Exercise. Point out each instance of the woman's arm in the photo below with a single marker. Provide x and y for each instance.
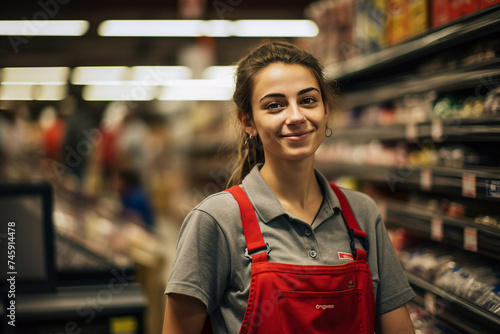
(396, 321)
(183, 315)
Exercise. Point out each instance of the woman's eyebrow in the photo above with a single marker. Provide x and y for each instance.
(272, 95)
(308, 90)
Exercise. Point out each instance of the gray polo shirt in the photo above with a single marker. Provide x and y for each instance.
(211, 264)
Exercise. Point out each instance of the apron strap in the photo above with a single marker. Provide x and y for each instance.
(351, 222)
(251, 229)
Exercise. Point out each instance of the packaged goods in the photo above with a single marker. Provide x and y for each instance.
(460, 8)
(487, 3)
(492, 102)
(474, 279)
(418, 12)
(398, 28)
(441, 12)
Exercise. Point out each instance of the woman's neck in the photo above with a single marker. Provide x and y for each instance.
(293, 182)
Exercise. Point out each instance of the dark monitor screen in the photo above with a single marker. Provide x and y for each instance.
(26, 224)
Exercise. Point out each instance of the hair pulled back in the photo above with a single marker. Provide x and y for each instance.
(250, 152)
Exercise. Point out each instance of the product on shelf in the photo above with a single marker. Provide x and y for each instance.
(418, 12)
(493, 221)
(469, 277)
(487, 3)
(425, 323)
(447, 107)
(398, 28)
(492, 102)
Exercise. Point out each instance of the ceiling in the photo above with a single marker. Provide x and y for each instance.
(93, 50)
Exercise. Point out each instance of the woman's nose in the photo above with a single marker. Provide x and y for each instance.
(294, 115)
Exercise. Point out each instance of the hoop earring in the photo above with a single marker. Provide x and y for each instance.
(328, 132)
(246, 140)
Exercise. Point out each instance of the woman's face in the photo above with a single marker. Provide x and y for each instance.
(289, 114)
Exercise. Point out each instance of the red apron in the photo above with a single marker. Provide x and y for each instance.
(287, 298)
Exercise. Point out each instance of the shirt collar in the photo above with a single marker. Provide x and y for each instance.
(266, 204)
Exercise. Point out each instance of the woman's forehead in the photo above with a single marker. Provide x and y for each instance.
(284, 77)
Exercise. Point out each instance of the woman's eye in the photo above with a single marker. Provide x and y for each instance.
(309, 100)
(273, 105)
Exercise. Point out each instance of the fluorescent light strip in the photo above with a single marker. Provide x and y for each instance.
(43, 27)
(34, 75)
(175, 90)
(212, 28)
(197, 90)
(119, 93)
(275, 28)
(90, 75)
(138, 75)
(219, 73)
(20, 92)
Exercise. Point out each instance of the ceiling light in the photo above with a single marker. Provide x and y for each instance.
(50, 92)
(123, 92)
(139, 75)
(212, 28)
(34, 75)
(90, 75)
(150, 28)
(197, 90)
(219, 73)
(275, 28)
(15, 92)
(43, 28)
(33, 92)
(159, 75)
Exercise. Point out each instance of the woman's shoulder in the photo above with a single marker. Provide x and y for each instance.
(360, 201)
(220, 206)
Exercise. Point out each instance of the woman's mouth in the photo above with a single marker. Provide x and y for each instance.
(295, 136)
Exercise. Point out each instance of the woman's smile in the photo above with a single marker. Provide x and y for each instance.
(297, 136)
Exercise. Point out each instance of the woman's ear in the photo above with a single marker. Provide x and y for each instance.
(247, 123)
(327, 111)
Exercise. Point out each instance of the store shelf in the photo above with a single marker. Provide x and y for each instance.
(454, 310)
(482, 23)
(479, 183)
(439, 130)
(454, 79)
(447, 230)
(459, 60)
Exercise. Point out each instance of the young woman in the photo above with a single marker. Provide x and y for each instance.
(284, 251)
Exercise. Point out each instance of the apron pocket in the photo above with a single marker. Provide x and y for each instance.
(320, 312)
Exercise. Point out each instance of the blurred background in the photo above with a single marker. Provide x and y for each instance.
(116, 120)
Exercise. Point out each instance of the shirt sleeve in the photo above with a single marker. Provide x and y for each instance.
(201, 267)
(393, 288)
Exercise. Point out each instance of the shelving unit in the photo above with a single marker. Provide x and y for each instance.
(391, 75)
(443, 180)
(481, 23)
(464, 315)
(445, 229)
(452, 130)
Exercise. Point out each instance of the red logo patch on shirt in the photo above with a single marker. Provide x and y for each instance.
(345, 256)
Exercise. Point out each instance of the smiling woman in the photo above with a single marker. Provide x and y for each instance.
(282, 250)
(288, 114)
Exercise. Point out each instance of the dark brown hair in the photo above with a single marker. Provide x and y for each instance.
(252, 152)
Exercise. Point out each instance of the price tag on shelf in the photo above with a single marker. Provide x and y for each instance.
(470, 239)
(430, 303)
(469, 185)
(437, 130)
(426, 179)
(437, 229)
(411, 132)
